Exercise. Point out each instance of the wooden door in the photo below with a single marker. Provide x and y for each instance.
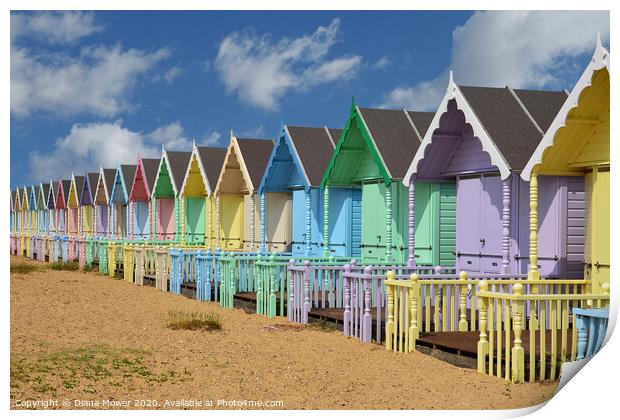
(298, 222)
(597, 258)
(231, 221)
(468, 221)
(423, 223)
(491, 225)
(373, 223)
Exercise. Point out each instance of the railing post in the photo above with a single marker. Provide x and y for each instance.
(533, 273)
(411, 259)
(483, 344)
(272, 305)
(518, 354)
(291, 291)
(414, 329)
(347, 301)
(463, 326)
(389, 326)
(367, 319)
(307, 304)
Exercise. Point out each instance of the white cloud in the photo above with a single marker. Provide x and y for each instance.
(211, 139)
(510, 48)
(382, 63)
(53, 27)
(168, 76)
(254, 132)
(98, 82)
(103, 143)
(261, 70)
(87, 146)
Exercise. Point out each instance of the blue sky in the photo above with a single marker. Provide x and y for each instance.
(90, 88)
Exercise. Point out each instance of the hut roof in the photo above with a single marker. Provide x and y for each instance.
(212, 159)
(177, 164)
(314, 147)
(395, 137)
(255, 154)
(512, 126)
(150, 167)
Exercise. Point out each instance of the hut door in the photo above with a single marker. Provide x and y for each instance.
(165, 218)
(373, 223)
(423, 223)
(299, 223)
(468, 229)
(231, 219)
(194, 220)
(597, 259)
(141, 217)
(354, 237)
(491, 232)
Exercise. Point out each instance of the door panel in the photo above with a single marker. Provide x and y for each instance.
(598, 236)
(140, 219)
(491, 244)
(423, 223)
(339, 208)
(299, 223)
(194, 219)
(468, 204)
(231, 220)
(278, 222)
(355, 232)
(165, 218)
(373, 233)
(549, 198)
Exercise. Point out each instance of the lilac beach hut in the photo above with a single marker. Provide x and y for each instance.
(482, 138)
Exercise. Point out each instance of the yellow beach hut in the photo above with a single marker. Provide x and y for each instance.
(237, 203)
(577, 143)
(198, 203)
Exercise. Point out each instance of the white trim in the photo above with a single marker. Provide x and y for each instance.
(415, 129)
(600, 60)
(329, 135)
(453, 92)
(525, 111)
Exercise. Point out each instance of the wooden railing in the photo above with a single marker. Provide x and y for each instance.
(544, 319)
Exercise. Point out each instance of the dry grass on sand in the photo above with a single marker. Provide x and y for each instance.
(83, 336)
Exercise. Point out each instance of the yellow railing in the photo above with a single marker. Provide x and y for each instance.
(449, 303)
(401, 328)
(544, 319)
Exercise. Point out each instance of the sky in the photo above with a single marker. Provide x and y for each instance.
(102, 88)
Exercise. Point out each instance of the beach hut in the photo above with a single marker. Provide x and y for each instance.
(481, 138)
(73, 205)
(62, 213)
(237, 217)
(41, 204)
(166, 195)
(577, 146)
(25, 209)
(102, 222)
(119, 200)
(51, 207)
(292, 218)
(365, 204)
(13, 211)
(32, 209)
(197, 196)
(140, 198)
(87, 207)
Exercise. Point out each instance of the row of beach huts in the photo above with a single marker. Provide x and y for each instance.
(479, 232)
